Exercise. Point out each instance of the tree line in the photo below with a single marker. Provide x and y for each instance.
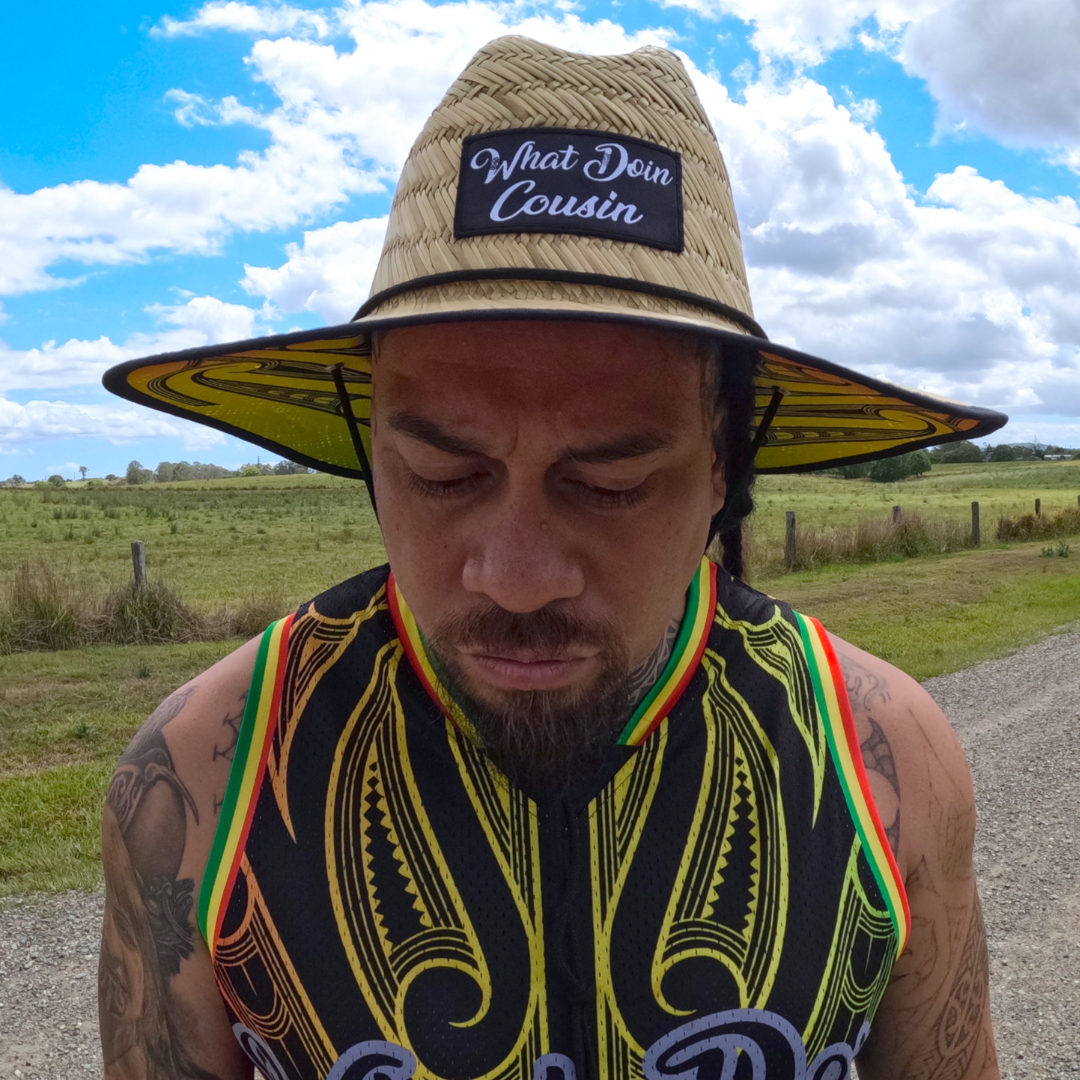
(168, 471)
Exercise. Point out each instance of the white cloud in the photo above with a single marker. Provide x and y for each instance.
(971, 291)
(202, 320)
(244, 19)
(37, 420)
(329, 274)
(1008, 68)
(806, 31)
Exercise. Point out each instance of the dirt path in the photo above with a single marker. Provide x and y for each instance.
(1019, 720)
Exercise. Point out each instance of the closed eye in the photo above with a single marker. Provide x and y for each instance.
(459, 486)
(608, 498)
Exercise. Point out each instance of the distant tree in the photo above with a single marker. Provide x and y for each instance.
(134, 472)
(888, 470)
(1002, 452)
(250, 470)
(290, 468)
(14, 481)
(57, 480)
(919, 462)
(83, 469)
(959, 453)
(110, 476)
(165, 472)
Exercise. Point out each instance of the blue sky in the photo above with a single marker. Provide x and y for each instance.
(905, 171)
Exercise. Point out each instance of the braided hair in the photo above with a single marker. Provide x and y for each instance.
(731, 384)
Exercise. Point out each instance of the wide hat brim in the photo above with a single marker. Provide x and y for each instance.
(306, 396)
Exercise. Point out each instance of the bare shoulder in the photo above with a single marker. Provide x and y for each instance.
(934, 1020)
(159, 1012)
(917, 770)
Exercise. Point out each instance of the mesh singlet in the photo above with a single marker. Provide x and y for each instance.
(718, 900)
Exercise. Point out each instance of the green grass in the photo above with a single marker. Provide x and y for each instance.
(66, 716)
(50, 823)
(943, 613)
(217, 543)
(947, 492)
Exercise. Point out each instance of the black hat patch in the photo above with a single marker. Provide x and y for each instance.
(569, 180)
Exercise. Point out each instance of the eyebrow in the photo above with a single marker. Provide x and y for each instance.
(639, 444)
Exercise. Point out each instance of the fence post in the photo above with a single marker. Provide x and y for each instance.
(789, 541)
(976, 534)
(138, 563)
(896, 515)
(1038, 507)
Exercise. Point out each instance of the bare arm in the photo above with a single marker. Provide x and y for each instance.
(160, 1012)
(934, 1021)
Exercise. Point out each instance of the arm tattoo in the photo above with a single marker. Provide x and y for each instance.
(869, 692)
(956, 1034)
(642, 680)
(231, 723)
(149, 931)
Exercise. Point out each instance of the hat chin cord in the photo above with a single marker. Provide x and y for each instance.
(337, 373)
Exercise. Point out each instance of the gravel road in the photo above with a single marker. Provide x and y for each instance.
(1019, 721)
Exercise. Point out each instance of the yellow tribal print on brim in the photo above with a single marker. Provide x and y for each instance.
(281, 394)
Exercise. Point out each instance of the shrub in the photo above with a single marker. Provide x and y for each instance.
(1040, 527)
(879, 540)
(148, 616)
(45, 610)
(250, 618)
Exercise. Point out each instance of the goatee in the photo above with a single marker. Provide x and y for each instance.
(540, 740)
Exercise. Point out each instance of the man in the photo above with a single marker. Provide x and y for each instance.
(550, 795)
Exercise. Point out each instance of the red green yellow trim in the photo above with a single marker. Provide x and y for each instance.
(684, 659)
(413, 644)
(685, 656)
(843, 740)
(245, 779)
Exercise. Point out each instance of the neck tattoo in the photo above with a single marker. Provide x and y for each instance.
(641, 681)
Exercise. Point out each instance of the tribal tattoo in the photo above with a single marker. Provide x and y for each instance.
(225, 752)
(644, 678)
(149, 929)
(869, 692)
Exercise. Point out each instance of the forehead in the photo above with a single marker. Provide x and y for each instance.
(585, 373)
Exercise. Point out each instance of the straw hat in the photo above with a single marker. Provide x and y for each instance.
(548, 184)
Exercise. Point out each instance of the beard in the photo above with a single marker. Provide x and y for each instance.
(538, 739)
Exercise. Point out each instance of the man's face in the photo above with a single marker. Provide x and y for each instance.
(545, 490)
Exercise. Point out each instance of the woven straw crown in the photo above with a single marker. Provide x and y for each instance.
(516, 83)
(449, 254)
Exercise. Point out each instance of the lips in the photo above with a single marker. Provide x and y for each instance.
(526, 670)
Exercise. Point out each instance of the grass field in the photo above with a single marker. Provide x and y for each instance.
(288, 537)
(65, 716)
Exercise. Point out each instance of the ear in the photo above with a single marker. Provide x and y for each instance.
(719, 479)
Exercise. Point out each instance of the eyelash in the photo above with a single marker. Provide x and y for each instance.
(609, 499)
(444, 488)
(605, 498)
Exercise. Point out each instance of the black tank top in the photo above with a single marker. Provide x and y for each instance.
(718, 901)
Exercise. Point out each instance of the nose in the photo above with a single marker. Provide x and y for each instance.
(522, 561)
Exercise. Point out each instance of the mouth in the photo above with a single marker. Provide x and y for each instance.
(525, 670)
